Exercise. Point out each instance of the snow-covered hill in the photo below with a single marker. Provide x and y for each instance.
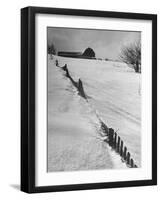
(114, 92)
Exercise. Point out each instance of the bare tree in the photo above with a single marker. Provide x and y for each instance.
(51, 49)
(131, 54)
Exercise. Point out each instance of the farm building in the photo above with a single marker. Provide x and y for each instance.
(87, 54)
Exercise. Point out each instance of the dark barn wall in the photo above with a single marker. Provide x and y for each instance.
(89, 52)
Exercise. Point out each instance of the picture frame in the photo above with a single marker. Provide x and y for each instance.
(29, 114)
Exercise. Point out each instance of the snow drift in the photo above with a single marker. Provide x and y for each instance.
(113, 90)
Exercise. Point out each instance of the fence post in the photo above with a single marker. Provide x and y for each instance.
(104, 128)
(65, 67)
(118, 144)
(132, 163)
(128, 158)
(67, 73)
(115, 138)
(111, 132)
(121, 148)
(56, 63)
(124, 154)
(80, 88)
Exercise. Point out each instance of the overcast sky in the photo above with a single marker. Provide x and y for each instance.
(105, 43)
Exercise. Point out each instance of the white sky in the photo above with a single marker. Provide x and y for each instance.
(105, 43)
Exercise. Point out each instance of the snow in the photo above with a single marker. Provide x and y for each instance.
(73, 141)
(113, 90)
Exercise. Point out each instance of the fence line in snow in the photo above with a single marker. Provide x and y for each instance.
(112, 138)
(78, 85)
(116, 143)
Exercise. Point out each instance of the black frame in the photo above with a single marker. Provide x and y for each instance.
(28, 98)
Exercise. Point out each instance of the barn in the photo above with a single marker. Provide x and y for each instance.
(87, 54)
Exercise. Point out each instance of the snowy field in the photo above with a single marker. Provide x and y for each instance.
(113, 89)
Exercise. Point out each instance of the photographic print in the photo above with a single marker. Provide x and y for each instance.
(94, 99)
(88, 99)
